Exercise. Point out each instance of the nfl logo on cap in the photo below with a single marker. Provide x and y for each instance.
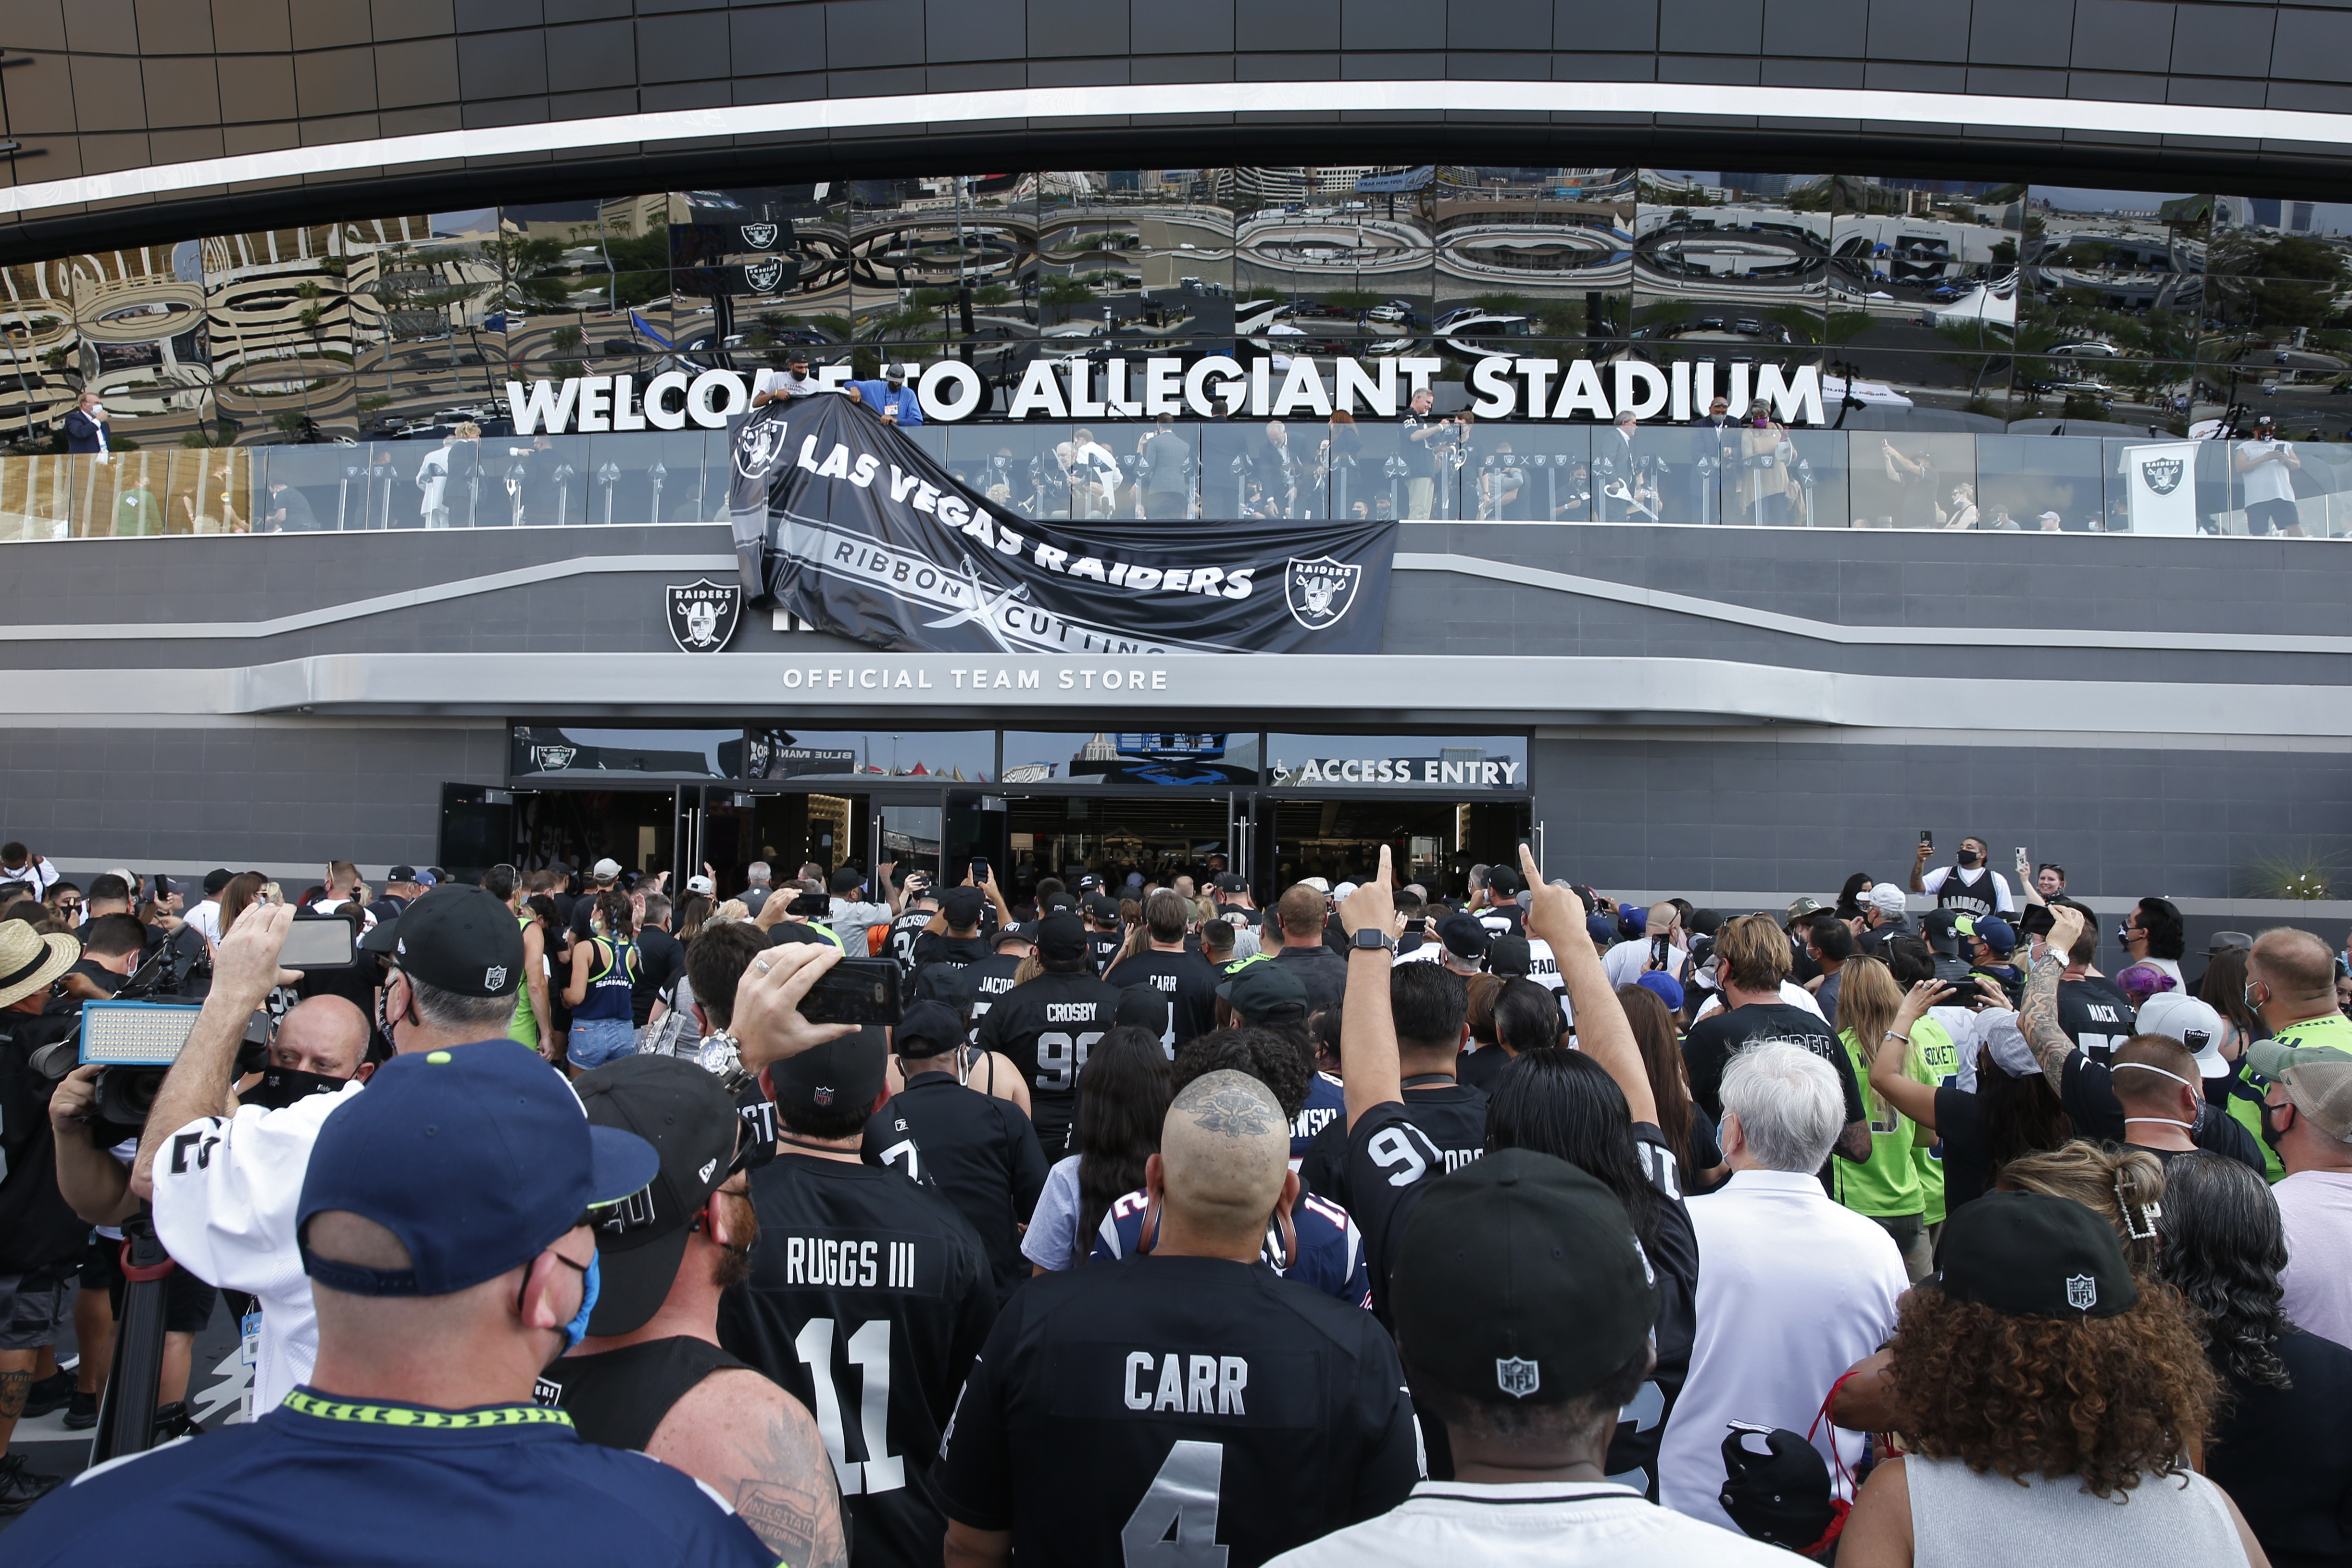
(1517, 1377)
(494, 978)
(2082, 1292)
(821, 1094)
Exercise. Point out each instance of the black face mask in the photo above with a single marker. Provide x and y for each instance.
(1967, 859)
(282, 1087)
(2271, 1133)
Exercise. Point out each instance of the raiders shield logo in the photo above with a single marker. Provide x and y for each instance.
(1516, 1377)
(759, 237)
(757, 444)
(2162, 474)
(2082, 1292)
(1319, 590)
(761, 277)
(702, 614)
(554, 759)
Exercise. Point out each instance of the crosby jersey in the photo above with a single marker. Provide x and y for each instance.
(1389, 1157)
(1452, 1115)
(1045, 1029)
(868, 1299)
(1330, 1255)
(1177, 1411)
(1185, 979)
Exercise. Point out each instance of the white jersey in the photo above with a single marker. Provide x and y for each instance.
(1628, 961)
(205, 918)
(226, 1190)
(1795, 996)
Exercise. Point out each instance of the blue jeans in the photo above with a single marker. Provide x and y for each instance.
(596, 1041)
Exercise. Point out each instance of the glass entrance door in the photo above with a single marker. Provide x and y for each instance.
(1432, 842)
(1114, 836)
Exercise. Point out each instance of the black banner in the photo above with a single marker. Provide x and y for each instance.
(845, 522)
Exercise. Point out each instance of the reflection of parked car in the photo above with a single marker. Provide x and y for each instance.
(1710, 324)
(1078, 330)
(808, 335)
(616, 348)
(2088, 351)
(1749, 326)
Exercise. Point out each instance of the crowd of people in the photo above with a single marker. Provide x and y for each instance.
(1376, 1222)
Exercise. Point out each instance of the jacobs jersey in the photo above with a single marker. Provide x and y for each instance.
(1331, 1250)
(905, 931)
(1389, 1158)
(1185, 979)
(991, 978)
(868, 1297)
(2096, 1015)
(1166, 1412)
(977, 1151)
(1327, 1102)
(1452, 1115)
(1045, 1029)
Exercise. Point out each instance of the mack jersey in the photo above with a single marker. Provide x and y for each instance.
(2095, 1014)
(1045, 1029)
(867, 1299)
(1185, 979)
(1452, 1115)
(1389, 1158)
(1165, 1412)
(1330, 1256)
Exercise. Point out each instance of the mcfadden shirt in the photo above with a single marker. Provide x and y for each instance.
(1177, 1410)
(1045, 1029)
(1185, 979)
(1389, 1158)
(867, 1299)
(392, 1485)
(1330, 1255)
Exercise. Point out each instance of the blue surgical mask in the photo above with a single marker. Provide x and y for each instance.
(591, 1283)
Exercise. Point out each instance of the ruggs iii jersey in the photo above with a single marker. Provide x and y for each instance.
(1177, 1412)
(868, 1299)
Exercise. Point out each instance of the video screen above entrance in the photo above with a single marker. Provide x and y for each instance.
(1180, 760)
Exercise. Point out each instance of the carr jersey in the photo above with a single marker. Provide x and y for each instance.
(1331, 1257)
(991, 978)
(1185, 979)
(867, 1299)
(1045, 1029)
(1168, 1412)
(1452, 1115)
(1389, 1158)
(977, 1151)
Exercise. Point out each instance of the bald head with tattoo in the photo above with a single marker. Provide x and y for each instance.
(1222, 1169)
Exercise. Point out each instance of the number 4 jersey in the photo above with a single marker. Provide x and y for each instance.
(868, 1297)
(1177, 1412)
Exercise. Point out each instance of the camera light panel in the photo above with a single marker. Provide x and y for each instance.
(135, 1034)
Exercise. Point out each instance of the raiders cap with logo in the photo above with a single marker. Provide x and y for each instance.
(684, 1114)
(461, 940)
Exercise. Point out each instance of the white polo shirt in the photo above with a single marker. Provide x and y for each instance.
(226, 1190)
(1538, 1524)
(1793, 1288)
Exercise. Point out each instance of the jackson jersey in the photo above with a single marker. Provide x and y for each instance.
(904, 931)
(1185, 979)
(868, 1299)
(1167, 1412)
(1330, 1255)
(1452, 1115)
(1389, 1158)
(1045, 1029)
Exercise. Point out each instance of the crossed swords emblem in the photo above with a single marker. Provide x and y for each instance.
(984, 609)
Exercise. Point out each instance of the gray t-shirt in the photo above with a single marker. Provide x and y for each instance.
(1053, 1228)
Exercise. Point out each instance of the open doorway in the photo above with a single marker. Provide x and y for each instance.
(1432, 842)
(635, 828)
(1160, 836)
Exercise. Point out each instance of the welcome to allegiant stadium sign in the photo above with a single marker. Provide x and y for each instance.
(1216, 387)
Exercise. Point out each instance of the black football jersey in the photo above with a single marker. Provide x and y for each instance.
(1045, 1029)
(1173, 1412)
(1185, 979)
(1453, 1115)
(1389, 1157)
(1102, 948)
(976, 1151)
(1504, 919)
(991, 978)
(932, 947)
(868, 1297)
(904, 933)
(2095, 1014)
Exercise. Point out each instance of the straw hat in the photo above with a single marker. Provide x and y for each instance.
(30, 962)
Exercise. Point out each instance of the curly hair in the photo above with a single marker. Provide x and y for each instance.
(2107, 1400)
(2224, 1245)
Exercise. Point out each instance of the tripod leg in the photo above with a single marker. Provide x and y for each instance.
(126, 1416)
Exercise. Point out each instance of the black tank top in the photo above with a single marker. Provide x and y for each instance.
(617, 1399)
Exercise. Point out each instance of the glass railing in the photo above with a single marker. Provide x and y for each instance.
(1232, 470)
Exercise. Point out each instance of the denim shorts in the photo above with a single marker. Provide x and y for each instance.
(596, 1041)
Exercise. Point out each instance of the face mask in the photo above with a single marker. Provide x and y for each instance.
(2247, 996)
(799, 375)
(282, 1087)
(2272, 1134)
(590, 1284)
(1966, 859)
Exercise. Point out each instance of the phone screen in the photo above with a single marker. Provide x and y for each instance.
(854, 991)
(319, 944)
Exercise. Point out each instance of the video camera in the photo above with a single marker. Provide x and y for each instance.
(133, 1039)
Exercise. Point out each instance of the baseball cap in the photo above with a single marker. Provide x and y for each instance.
(2317, 1078)
(1632, 919)
(461, 940)
(1343, 890)
(928, 1029)
(1502, 880)
(431, 877)
(962, 905)
(220, 876)
(1800, 908)
(1229, 882)
(1089, 882)
(397, 874)
(1669, 989)
(2032, 1256)
(1599, 928)
(605, 869)
(1061, 936)
(1941, 928)
(1102, 907)
(685, 1114)
(702, 885)
(894, 372)
(1145, 1008)
(1318, 883)
(2193, 1023)
(1509, 955)
(2263, 419)
(474, 1158)
(1992, 929)
(1519, 1274)
(1265, 993)
(1464, 937)
(1886, 899)
(849, 880)
(1026, 932)
(847, 1071)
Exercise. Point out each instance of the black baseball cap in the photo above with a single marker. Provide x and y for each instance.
(928, 1029)
(684, 1114)
(1265, 992)
(1061, 936)
(1103, 907)
(476, 1158)
(220, 876)
(1941, 928)
(1509, 955)
(948, 984)
(1502, 880)
(1464, 937)
(2032, 1256)
(1229, 882)
(1088, 882)
(847, 1071)
(1026, 932)
(1520, 1275)
(962, 905)
(461, 940)
(1145, 1006)
(397, 874)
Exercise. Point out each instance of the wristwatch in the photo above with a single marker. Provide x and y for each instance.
(1370, 937)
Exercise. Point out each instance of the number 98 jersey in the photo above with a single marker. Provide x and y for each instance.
(1046, 1027)
(1177, 1412)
